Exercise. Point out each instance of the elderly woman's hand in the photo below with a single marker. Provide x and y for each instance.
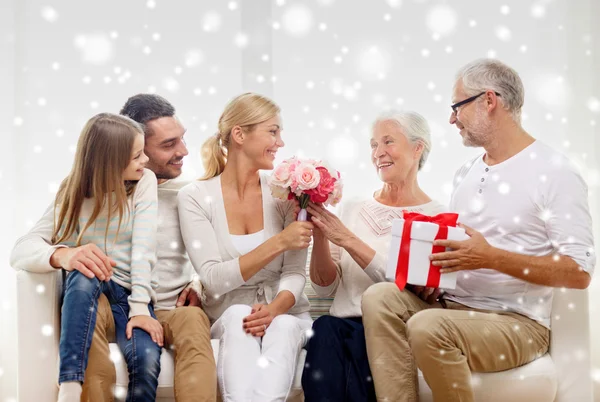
(329, 225)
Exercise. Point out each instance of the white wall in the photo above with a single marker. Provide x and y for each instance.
(332, 65)
(8, 196)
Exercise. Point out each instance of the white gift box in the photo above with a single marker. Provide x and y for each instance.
(422, 236)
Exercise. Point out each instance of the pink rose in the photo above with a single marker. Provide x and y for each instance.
(282, 174)
(306, 176)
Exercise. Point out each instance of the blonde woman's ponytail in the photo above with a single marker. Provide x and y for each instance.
(214, 157)
(245, 111)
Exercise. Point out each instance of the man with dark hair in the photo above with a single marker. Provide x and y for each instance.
(186, 326)
(164, 133)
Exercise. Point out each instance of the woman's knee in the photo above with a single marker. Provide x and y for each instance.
(375, 294)
(325, 333)
(325, 325)
(285, 323)
(236, 313)
(381, 298)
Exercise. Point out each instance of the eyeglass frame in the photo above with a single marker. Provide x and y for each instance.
(468, 100)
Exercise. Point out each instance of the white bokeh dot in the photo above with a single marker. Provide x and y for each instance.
(194, 57)
(550, 90)
(241, 40)
(211, 21)
(297, 20)
(504, 188)
(442, 19)
(47, 330)
(503, 33)
(95, 48)
(49, 14)
(538, 10)
(342, 150)
(170, 84)
(594, 104)
(373, 63)
(120, 392)
(116, 356)
(262, 362)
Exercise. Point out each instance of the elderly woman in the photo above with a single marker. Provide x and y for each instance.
(349, 255)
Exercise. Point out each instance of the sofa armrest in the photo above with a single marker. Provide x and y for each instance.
(38, 326)
(570, 345)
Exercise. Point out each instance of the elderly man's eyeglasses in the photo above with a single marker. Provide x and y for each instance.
(468, 100)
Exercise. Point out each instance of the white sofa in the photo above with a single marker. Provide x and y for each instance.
(563, 375)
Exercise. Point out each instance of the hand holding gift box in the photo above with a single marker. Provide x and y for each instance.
(412, 244)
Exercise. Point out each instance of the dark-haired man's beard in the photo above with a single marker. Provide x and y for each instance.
(165, 172)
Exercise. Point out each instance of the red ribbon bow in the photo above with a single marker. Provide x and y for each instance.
(443, 221)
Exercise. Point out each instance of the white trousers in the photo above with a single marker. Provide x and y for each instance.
(258, 369)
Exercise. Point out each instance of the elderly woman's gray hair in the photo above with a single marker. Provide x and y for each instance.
(489, 74)
(413, 126)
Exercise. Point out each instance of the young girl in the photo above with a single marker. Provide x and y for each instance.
(110, 200)
(250, 254)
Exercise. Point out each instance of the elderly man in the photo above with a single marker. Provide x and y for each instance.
(525, 209)
(186, 326)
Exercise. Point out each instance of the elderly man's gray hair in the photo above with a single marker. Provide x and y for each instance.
(413, 126)
(489, 74)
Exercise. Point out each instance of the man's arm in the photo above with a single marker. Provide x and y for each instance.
(553, 270)
(34, 252)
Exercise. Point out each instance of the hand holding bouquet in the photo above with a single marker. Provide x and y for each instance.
(306, 180)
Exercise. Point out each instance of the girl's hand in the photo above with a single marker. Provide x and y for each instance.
(148, 324)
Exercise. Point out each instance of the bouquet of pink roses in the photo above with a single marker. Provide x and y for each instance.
(306, 180)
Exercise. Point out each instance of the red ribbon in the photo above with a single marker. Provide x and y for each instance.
(443, 221)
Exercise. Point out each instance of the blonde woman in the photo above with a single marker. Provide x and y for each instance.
(250, 254)
(108, 202)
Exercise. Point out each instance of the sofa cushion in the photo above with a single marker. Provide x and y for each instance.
(536, 381)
